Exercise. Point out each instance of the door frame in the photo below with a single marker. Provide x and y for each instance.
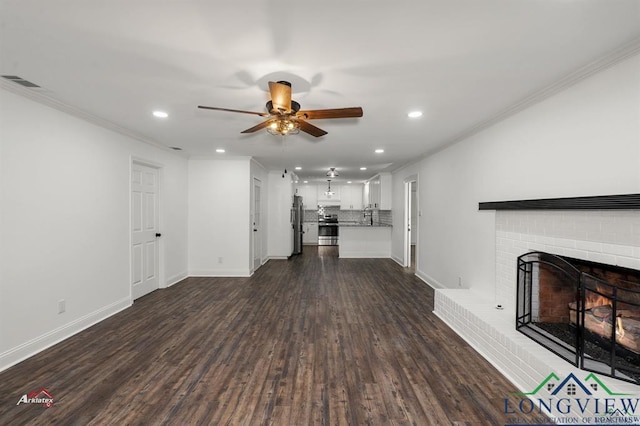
(407, 223)
(161, 248)
(255, 181)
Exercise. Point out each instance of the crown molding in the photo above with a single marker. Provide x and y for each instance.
(40, 95)
(622, 53)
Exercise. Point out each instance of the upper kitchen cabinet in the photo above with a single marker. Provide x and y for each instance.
(379, 192)
(309, 194)
(351, 197)
(329, 199)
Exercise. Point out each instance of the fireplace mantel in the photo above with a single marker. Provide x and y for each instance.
(602, 202)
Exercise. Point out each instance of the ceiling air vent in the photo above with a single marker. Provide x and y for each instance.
(19, 80)
(176, 148)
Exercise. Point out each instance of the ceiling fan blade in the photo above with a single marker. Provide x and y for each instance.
(261, 114)
(258, 127)
(311, 129)
(280, 96)
(330, 113)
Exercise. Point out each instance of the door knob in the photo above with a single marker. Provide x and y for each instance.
(158, 234)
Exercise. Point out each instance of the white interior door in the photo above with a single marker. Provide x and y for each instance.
(410, 189)
(144, 227)
(407, 224)
(257, 228)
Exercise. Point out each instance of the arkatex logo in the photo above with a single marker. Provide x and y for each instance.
(42, 396)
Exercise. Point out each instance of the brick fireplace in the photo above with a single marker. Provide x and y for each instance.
(609, 235)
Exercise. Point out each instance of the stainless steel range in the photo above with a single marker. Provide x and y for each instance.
(328, 230)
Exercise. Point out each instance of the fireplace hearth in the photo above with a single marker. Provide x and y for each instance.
(585, 312)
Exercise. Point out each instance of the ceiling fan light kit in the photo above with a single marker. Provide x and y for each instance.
(283, 127)
(286, 118)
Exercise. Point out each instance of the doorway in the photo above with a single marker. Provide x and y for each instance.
(144, 230)
(410, 222)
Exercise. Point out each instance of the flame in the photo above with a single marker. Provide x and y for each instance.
(594, 300)
(619, 329)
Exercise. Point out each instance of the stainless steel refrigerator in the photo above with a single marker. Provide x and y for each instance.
(297, 218)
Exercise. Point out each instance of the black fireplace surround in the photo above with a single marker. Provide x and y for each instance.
(585, 312)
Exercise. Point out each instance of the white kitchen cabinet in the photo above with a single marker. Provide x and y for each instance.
(374, 192)
(351, 197)
(310, 233)
(324, 199)
(309, 193)
(380, 191)
(366, 194)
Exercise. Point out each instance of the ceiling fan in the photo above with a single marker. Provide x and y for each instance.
(285, 115)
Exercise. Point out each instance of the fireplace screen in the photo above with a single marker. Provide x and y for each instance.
(585, 312)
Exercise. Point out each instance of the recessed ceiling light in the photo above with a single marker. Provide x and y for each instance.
(298, 168)
(348, 181)
(220, 151)
(363, 168)
(306, 181)
(379, 151)
(160, 114)
(415, 114)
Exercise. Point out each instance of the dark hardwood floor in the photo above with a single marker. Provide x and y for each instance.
(312, 340)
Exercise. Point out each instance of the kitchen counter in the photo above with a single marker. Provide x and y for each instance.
(361, 240)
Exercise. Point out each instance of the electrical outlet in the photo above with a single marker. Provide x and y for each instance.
(459, 281)
(62, 306)
(220, 260)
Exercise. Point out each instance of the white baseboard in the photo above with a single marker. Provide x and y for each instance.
(363, 255)
(177, 278)
(40, 343)
(432, 282)
(221, 273)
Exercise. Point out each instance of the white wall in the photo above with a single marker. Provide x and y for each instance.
(219, 217)
(582, 141)
(64, 227)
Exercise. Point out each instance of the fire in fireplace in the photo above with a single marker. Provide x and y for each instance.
(588, 313)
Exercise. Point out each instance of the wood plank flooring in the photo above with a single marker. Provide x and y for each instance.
(314, 340)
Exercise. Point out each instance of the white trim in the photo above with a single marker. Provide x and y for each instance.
(221, 273)
(40, 343)
(364, 255)
(429, 280)
(176, 279)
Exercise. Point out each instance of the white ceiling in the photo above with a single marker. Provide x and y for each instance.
(462, 62)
